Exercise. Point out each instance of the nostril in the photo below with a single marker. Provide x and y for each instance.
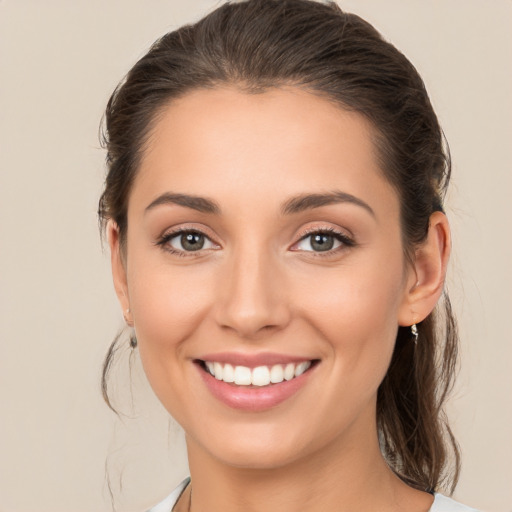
(251, 299)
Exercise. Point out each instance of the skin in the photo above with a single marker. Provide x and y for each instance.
(258, 286)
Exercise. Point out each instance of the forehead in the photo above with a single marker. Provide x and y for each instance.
(230, 144)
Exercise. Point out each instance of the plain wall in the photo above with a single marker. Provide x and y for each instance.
(59, 62)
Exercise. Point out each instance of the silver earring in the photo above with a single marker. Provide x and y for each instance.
(414, 332)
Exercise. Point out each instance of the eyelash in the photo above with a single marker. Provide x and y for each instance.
(346, 241)
(164, 240)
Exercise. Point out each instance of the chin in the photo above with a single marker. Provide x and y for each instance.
(259, 447)
(257, 458)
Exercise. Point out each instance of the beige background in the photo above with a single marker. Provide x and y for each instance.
(59, 62)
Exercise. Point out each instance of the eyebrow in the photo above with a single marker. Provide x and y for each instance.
(201, 204)
(309, 201)
(296, 204)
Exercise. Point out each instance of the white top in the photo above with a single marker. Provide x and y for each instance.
(441, 503)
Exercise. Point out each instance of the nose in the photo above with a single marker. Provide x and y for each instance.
(252, 298)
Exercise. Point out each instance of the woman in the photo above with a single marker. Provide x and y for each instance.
(274, 211)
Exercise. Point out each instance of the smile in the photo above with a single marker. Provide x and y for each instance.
(259, 376)
(257, 387)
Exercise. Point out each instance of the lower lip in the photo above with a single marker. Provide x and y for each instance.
(253, 399)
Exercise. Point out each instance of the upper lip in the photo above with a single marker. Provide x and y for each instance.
(253, 360)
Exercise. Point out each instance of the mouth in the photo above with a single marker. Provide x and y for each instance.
(257, 377)
(258, 387)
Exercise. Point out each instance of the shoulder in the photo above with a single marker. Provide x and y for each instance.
(169, 502)
(444, 504)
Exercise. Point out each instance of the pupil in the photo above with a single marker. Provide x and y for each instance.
(192, 241)
(322, 242)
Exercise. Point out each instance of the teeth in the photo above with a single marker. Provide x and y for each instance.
(218, 371)
(228, 373)
(289, 371)
(259, 376)
(276, 374)
(242, 375)
(301, 368)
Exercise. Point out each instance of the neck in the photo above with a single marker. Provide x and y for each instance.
(349, 474)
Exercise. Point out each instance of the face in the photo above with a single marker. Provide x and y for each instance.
(264, 247)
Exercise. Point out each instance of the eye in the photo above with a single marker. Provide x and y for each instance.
(186, 241)
(323, 241)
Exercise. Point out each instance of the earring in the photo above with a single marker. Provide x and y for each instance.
(133, 341)
(414, 332)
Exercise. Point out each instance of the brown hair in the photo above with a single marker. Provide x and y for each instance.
(258, 44)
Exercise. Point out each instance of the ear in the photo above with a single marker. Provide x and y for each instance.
(119, 270)
(427, 274)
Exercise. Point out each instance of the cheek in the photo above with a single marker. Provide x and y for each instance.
(168, 303)
(355, 309)
(354, 317)
(163, 313)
